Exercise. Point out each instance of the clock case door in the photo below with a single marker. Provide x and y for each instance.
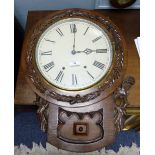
(82, 129)
(88, 115)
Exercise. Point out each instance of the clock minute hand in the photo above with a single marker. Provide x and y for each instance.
(74, 31)
(74, 43)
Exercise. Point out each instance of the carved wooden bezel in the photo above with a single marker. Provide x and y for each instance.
(105, 86)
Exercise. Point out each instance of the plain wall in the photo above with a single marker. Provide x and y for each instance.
(23, 6)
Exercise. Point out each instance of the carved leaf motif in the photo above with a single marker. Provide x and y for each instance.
(121, 95)
(42, 112)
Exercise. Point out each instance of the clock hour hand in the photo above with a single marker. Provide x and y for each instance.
(89, 51)
(86, 51)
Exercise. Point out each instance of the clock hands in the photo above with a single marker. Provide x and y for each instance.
(73, 30)
(86, 51)
(89, 51)
(74, 43)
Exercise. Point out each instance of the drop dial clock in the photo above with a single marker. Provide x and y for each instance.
(75, 60)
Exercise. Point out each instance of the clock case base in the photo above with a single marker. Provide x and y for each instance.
(87, 128)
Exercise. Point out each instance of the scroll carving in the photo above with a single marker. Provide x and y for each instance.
(74, 99)
(42, 112)
(121, 102)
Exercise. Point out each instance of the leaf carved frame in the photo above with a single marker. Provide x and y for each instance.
(103, 88)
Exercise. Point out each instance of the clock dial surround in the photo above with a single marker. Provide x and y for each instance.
(74, 54)
(100, 90)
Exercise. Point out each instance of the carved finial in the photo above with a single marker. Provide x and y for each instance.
(121, 102)
(42, 112)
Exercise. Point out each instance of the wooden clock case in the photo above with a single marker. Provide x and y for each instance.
(83, 120)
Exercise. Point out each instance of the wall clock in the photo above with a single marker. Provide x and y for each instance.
(122, 3)
(75, 60)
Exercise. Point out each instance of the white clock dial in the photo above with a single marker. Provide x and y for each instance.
(73, 54)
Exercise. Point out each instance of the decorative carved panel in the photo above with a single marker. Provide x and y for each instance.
(84, 128)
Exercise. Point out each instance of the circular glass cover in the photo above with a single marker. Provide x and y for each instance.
(73, 54)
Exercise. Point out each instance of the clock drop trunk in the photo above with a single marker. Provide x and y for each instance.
(82, 129)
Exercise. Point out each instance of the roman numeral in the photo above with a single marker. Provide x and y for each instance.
(86, 31)
(96, 39)
(98, 64)
(50, 40)
(59, 32)
(101, 51)
(59, 76)
(47, 53)
(73, 28)
(49, 66)
(74, 79)
(90, 75)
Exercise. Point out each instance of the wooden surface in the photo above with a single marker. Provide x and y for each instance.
(126, 20)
